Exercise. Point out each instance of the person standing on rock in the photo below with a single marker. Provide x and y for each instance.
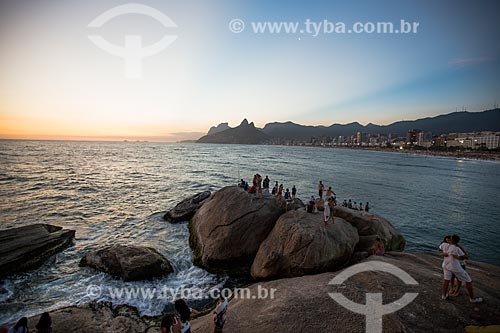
(184, 312)
(220, 314)
(259, 185)
(321, 187)
(265, 184)
(330, 193)
(455, 288)
(367, 207)
(328, 211)
(451, 266)
(294, 191)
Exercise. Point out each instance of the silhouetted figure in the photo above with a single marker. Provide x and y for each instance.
(44, 324)
(20, 327)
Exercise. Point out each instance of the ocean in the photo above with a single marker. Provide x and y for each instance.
(117, 193)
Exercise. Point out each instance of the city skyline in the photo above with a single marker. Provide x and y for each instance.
(57, 84)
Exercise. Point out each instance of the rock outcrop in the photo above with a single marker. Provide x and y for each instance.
(186, 209)
(245, 133)
(28, 247)
(369, 227)
(302, 304)
(301, 244)
(97, 317)
(130, 263)
(226, 232)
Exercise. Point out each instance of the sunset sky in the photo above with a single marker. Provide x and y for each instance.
(56, 84)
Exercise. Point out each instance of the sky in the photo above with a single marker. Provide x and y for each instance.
(56, 83)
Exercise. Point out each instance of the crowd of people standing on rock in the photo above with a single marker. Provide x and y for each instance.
(261, 187)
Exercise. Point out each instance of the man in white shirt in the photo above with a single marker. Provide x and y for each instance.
(451, 266)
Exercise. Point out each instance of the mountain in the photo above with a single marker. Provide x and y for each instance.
(245, 133)
(219, 128)
(456, 122)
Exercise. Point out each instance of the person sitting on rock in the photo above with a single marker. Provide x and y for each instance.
(349, 204)
(266, 182)
(451, 266)
(274, 191)
(287, 194)
(44, 323)
(184, 312)
(20, 327)
(310, 205)
(245, 187)
(220, 314)
(378, 247)
(241, 183)
(344, 203)
(170, 324)
(361, 206)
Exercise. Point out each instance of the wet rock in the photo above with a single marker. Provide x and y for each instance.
(130, 263)
(186, 209)
(28, 247)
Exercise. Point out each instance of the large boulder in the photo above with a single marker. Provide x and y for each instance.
(186, 209)
(371, 226)
(226, 232)
(302, 304)
(28, 247)
(130, 263)
(301, 244)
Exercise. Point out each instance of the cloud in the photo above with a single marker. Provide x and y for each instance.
(461, 62)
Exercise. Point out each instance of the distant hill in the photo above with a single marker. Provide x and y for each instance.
(245, 133)
(219, 128)
(456, 122)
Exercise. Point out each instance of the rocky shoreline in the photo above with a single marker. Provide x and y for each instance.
(302, 304)
(274, 245)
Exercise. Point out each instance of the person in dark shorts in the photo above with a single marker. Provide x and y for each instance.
(321, 187)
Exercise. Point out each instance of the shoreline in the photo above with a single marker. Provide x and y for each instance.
(469, 155)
